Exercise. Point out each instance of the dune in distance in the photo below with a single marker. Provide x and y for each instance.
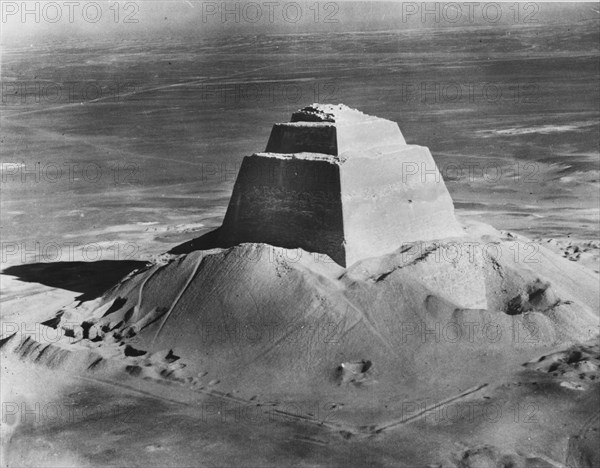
(342, 311)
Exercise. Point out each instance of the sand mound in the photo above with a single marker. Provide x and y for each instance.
(281, 323)
(335, 304)
(585, 252)
(487, 456)
(583, 449)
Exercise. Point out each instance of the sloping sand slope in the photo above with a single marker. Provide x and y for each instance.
(433, 319)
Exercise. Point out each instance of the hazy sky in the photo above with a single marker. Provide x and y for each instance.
(23, 21)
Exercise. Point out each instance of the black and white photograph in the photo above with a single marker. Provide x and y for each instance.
(310, 234)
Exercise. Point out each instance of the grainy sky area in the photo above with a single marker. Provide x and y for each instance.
(21, 20)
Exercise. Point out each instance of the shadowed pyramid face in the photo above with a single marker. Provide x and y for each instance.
(339, 182)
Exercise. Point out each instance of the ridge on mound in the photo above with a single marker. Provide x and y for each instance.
(338, 182)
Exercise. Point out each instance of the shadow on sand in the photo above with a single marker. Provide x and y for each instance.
(210, 240)
(91, 279)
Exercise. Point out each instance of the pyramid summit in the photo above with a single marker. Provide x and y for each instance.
(333, 129)
(337, 182)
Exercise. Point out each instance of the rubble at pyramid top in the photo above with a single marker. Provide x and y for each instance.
(331, 113)
(335, 130)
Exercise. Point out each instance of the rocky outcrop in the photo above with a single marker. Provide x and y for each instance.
(338, 182)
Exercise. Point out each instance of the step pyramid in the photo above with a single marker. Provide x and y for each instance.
(338, 182)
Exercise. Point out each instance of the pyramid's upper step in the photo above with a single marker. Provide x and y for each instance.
(333, 113)
(335, 130)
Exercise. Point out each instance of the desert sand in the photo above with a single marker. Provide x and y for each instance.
(475, 348)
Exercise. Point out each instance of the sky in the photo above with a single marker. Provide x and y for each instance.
(23, 21)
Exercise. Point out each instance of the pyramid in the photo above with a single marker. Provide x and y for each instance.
(338, 182)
